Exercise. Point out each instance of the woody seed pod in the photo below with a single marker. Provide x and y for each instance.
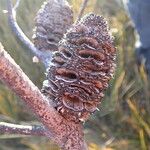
(81, 69)
(51, 22)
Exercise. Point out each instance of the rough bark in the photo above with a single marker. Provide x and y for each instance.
(67, 135)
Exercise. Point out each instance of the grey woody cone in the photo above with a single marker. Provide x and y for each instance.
(81, 69)
(51, 22)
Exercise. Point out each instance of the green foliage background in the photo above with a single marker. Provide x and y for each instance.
(123, 121)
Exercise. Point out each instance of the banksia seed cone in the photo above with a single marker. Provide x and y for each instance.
(81, 68)
(52, 21)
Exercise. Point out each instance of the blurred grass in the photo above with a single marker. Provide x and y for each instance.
(123, 121)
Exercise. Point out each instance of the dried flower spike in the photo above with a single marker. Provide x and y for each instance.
(52, 21)
(81, 69)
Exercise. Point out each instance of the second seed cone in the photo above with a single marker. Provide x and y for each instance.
(51, 22)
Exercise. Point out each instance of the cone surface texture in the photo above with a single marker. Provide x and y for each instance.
(51, 22)
(81, 68)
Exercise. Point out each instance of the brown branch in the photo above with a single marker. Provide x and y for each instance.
(9, 128)
(45, 57)
(82, 8)
(68, 135)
